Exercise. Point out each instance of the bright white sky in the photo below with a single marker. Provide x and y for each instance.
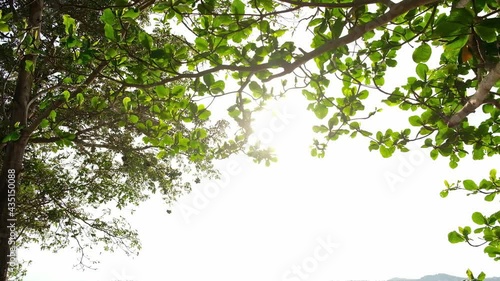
(266, 220)
(262, 223)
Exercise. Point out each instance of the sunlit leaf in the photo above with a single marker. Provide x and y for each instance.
(455, 237)
(422, 53)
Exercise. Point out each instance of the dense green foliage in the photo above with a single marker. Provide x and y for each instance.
(85, 155)
(103, 77)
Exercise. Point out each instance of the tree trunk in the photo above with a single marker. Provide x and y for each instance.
(12, 163)
(12, 166)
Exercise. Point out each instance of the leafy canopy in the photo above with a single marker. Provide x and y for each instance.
(98, 88)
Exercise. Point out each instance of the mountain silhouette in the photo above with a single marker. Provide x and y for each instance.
(441, 277)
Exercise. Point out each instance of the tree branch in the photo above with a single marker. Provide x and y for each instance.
(356, 33)
(92, 76)
(483, 90)
(112, 147)
(462, 3)
(355, 3)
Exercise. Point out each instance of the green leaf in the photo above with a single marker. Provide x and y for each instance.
(29, 66)
(155, 108)
(94, 102)
(52, 115)
(376, 57)
(69, 24)
(268, 5)
(487, 34)
(434, 154)
(237, 7)
(391, 62)
(493, 174)
(233, 112)
(204, 114)
(161, 91)
(320, 111)
(108, 17)
(478, 218)
(415, 120)
(126, 101)
(490, 197)
(363, 94)
(201, 44)
(162, 154)
(315, 22)
(478, 154)
(167, 140)
(158, 54)
(218, 86)
(15, 135)
(133, 119)
(178, 91)
(80, 98)
(338, 27)
(131, 13)
(443, 193)
(109, 32)
(146, 40)
(447, 29)
(309, 95)
(422, 53)
(111, 53)
(379, 80)
(208, 79)
(320, 129)
(455, 237)
(256, 89)
(422, 70)
(162, 6)
(44, 124)
(470, 276)
(354, 125)
(461, 15)
(386, 152)
(4, 27)
(333, 121)
(201, 133)
(373, 146)
(457, 43)
(470, 185)
(66, 95)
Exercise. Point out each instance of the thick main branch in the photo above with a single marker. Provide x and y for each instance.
(355, 3)
(353, 35)
(482, 92)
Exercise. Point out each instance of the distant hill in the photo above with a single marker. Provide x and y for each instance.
(441, 277)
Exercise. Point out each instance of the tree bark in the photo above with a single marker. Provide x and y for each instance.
(12, 163)
(482, 92)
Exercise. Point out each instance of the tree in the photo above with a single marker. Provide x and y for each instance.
(73, 89)
(86, 142)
